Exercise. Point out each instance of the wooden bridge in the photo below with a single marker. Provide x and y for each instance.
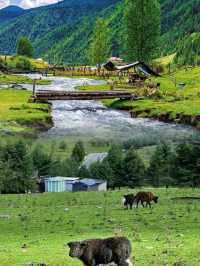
(50, 95)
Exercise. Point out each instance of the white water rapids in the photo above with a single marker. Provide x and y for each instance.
(90, 119)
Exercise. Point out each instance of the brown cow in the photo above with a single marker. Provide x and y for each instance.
(145, 197)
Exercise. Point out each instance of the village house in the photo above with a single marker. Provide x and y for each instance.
(73, 184)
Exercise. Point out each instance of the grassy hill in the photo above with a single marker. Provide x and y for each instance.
(61, 32)
(35, 228)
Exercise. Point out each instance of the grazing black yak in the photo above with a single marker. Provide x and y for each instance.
(95, 252)
(128, 200)
(147, 197)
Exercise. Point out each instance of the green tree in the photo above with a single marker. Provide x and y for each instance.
(134, 169)
(70, 167)
(100, 46)
(24, 47)
(158, 172)
(18, 160)
(142, 29)
(103, 171)
(78, 152)
(115, 160)
(186, 165)
(41, 161)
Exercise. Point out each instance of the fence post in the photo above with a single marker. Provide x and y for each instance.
(34, 85)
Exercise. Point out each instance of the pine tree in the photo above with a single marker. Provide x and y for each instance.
(103, 171)
(100, 45)
(134, 169)
(41, 161)
(158, 172)
(17, 157)
(78, 152)
(24, 47)
(115, 160)
(142, 29)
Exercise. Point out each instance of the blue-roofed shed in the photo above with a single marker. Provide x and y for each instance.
(94, 184)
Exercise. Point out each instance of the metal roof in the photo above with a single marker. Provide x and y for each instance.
(93, 158)
(145, 68)
(62, 178)
(91, 182)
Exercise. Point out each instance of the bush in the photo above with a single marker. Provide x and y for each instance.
(23, 63)
(3, 65)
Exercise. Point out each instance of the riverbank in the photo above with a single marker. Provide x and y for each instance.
(17, 116)
(20, 79)
(177, 100)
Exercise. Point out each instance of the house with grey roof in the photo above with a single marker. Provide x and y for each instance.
(74, 184)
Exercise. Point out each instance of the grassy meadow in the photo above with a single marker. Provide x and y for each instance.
(35, 228)
(10, 79)
(17, 115)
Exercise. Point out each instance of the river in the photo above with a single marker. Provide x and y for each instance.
(90, 119)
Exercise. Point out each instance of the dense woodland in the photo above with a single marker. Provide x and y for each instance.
(62, 32)
(170, 165)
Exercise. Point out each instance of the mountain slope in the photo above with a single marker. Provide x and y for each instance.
(61, 32)
(66, 25)
(10, 12)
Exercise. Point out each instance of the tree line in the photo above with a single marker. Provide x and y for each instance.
(141, 35)
(21, 165)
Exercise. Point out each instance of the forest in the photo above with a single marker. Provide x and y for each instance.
(56, 33)
(21, 164)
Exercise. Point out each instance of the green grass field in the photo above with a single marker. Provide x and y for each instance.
(17, 115)
(7, 79)
(37, 227)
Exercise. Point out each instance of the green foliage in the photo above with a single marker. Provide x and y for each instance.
(186, 165)
(17, 163)
(63, 145)
(188, 52)
(103, 171)
(134, 169)
(78, 152)
(115, 160)
(24, 47)
(41, 161)
(22, 63)
(142, 27)
(100, 44)
(158, 173)
(61, 32)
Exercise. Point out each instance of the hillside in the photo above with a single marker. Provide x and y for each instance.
(63, 27)
(61, 32)
(10, 12)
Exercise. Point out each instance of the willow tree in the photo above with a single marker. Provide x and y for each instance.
(100, 46)
(142, 29)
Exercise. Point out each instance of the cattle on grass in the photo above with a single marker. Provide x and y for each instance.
(128, 201)
(95, 252)
(145, 197)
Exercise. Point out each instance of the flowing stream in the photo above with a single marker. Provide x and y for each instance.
(90, 119)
